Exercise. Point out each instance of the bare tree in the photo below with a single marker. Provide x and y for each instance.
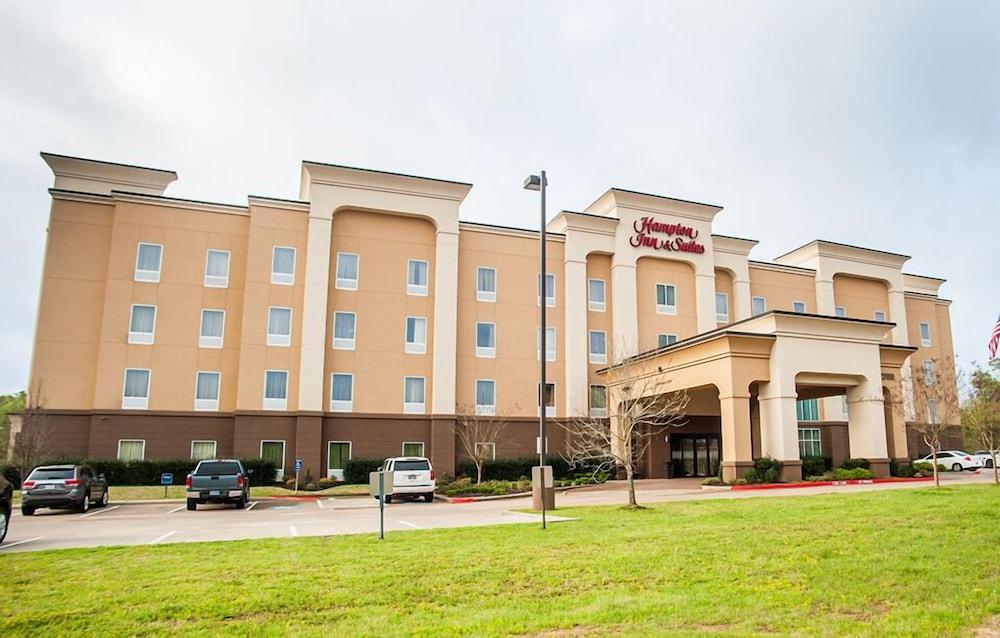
(478, 434)
(981, 414)
(640, 407)
(935, 404)
(33, 443)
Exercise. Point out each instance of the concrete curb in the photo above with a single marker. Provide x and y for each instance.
(500, 497)
(790, 486)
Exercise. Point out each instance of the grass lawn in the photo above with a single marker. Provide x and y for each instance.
(921, 562)
(155, 492)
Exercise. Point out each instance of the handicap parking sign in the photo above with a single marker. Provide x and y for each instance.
(298, 465)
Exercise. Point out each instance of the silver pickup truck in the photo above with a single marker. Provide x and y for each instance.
(218, 481)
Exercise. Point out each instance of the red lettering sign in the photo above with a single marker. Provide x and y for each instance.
(678, 237)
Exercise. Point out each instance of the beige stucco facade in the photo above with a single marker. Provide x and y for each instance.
(641, 274)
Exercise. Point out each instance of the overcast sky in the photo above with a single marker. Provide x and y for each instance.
(869, 123)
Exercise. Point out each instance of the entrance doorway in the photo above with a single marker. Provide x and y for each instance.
(693, 455)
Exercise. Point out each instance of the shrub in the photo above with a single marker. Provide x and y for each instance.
(844, 474)
(904, 470)
(12, 474)
(357, 470)
(765, 470)
(740, 481)
(851, 464)
(514, 469)
(325, 482)
(825, 476)
(816, 465)
(712, 480)
(465, 487)
(148, 472)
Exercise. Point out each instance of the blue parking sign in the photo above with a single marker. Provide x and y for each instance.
(298, 465)
(166, 478)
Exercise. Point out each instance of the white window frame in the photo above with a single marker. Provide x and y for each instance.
(422, 444)
(597, 306)
(215, 281)
(485, 352)
(284, 278)
(215, 447)
(795, 307)
(664, 308)
(137, 403)
(337, 473)
(925, 341)
(415, 347)
(549, 302)
(487, 295)
(597, 357)
(880, 312)
(597, 413)
(818, 440)
(667, 336)
(930, 375)
(543, 343)
(209, 405)
(485, 409)
(279, 472)
(214, 342)
(489, 444)
(549, 410)
(763, 306)
(280, 340)
(345, 343)
(414, 408)
(151, 276)
(342, 283)
(418, 290)
(142, 457)
(720, 317)
(341, 406)
(141, 338)
(840, 311)
(273, 403)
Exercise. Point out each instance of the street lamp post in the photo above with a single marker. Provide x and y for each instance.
(538, 183)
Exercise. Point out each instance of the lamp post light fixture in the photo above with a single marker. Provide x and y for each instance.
(538, 183)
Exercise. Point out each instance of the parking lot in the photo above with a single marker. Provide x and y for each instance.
(155, 523)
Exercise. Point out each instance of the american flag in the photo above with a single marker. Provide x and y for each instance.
(994, 340)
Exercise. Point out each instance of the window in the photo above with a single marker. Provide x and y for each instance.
(758, 305)
(212, 325)
(599, 401)
(550, 344)
(809, 442)
(275, 389)
(799, 306)
(147, 262)
(135, 395)
(932, 413)
(217, 269)
(925, 333)
(486, 340)
(283, 266)
(486, 400)
(664, 340)
(338, 453)
(486, 451)
(721, 307)
(550, 399)
(807, 410)
(413, 448)
(206, 390)
(413, 395)
(550, 289)
(416, 335)
(274, 451)
(879, 315)
(279, 326)
(486, 284)
(203, 450)
(347, 271)
(666, 299)
(131, 450)
(929, 376)
(341, 392)
(344, 330)
(142, 324)
(595, 295)
(416, 277)
(840, 311)
(598, 346)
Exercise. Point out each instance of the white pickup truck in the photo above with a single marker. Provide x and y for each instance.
(413, 476)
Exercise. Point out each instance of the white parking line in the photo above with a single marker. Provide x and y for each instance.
(177, 509)
(162, 538)
(409, 524)
(320, 503)
(103, 509)
(252, 505)
(16, 543)
(294, 531)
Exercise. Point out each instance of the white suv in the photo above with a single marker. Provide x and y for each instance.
(411, 476)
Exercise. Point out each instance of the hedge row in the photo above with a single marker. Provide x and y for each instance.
(357, 470)
(148, 472)
(816, 465)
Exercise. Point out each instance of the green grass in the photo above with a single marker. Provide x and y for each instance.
(921, 562)
(155, 492)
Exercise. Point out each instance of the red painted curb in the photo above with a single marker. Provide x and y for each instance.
(787, 486)
(463, 499)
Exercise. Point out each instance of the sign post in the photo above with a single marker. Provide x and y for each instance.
(298, 468)
(166, 479)
(380, 485)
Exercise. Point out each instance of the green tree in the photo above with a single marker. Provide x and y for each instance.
(8, 403)
(981, 413)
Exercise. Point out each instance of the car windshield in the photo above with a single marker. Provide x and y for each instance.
(51, 473)
(214, 468)
(403, 466)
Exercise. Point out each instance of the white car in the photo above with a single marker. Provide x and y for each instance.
(987, 459)
(412, 476)
(954, 460)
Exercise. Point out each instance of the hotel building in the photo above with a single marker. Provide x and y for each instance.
(359, 319)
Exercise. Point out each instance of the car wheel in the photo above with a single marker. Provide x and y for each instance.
(989, 463)
(388, 498)
(84, 505)
(242, 503)
(104, 499)
(192, 504)
(4, 521)
(429, 497)
(27, 511)
(957, 467)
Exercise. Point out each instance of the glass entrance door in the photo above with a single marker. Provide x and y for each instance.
(694, 455)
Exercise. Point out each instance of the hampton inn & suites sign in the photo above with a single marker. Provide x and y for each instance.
(651, 233)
